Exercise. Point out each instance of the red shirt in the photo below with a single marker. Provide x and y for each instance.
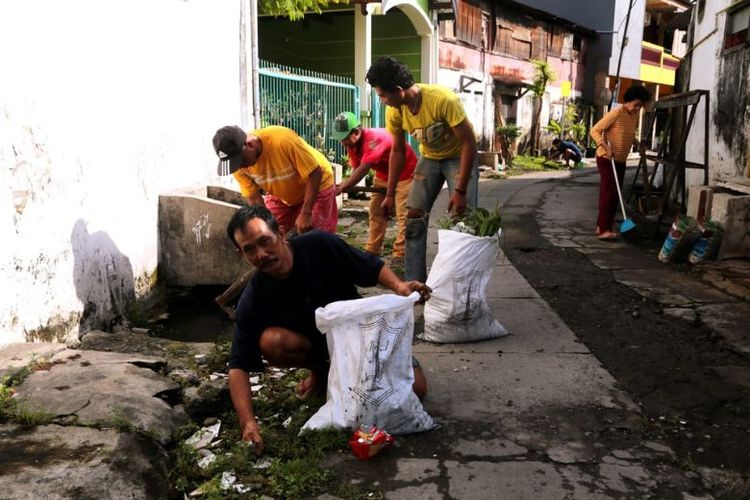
(374, 148)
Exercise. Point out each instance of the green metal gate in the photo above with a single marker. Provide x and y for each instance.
(306, 102)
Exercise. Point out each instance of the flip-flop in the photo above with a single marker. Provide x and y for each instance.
(305, 389)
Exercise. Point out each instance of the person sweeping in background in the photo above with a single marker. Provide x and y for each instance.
(614, 135)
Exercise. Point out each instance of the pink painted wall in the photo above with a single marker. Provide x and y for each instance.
(507, 69)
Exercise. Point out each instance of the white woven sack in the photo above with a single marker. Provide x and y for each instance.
(458, 310)
(371, 375)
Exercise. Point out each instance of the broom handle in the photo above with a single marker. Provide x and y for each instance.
(619, 193)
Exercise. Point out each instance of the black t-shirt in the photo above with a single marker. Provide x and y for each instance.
(325, 269)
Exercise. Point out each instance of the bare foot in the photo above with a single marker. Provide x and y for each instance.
(608, 235)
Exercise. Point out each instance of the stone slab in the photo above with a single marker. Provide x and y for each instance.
(666, 286)
(489, 448)
(79, 462)
(420, 469)
(621, 258)
(14, 357)
(105, 389)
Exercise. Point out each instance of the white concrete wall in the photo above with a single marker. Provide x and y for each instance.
(480, 117)
(103, 105)
(631, 58)
(705, 73)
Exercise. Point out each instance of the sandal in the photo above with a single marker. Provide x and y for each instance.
(310, 386)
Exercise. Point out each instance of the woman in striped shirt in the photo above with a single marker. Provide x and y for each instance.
(614, 135)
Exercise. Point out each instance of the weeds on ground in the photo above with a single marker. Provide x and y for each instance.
(10, 409)
(30, 418)
(291, 465)
(216, 360)
(119, 421)
(525, 164)
(13, 412)
(7, 404)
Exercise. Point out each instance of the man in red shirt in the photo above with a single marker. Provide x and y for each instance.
(371, 148)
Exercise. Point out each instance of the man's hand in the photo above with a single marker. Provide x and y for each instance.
(405, 288)
(389, 202)
(457, 203)
(338, 190)
(251, 434)
(304, 222)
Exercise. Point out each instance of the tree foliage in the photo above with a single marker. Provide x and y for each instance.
(543, 74)
(507, 135)
(294, 9)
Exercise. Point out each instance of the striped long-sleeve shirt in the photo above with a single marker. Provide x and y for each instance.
(618, 128)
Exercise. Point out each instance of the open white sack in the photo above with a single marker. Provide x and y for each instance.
(371, 375)
(458, 310)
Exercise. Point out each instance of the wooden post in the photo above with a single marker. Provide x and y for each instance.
(225, 299)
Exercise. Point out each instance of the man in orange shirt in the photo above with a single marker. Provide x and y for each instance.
(371, 148)
(614, 135)
(296, 178)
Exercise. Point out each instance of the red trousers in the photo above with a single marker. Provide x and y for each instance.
(608, 200)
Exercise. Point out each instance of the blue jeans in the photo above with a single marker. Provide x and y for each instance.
(429, 177)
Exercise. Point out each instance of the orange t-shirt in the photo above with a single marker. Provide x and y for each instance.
(618, 126)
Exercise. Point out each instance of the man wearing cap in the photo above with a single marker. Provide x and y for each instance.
(434, 116)
(296, 178)
(371, 148)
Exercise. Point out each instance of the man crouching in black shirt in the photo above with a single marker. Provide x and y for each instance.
(276, 312)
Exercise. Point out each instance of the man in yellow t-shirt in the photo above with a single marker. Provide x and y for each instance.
(433, 115)
(296, 178)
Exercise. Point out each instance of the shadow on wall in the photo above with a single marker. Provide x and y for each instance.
(103, 278)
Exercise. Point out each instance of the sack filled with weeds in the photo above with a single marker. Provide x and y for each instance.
(458, 310)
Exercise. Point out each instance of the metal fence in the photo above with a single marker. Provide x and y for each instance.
(306, 102)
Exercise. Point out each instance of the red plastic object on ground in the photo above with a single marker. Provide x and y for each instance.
(367, 442)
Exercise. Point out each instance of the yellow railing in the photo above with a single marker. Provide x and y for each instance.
(656, 65)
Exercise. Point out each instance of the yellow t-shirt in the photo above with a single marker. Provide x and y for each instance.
(431, 126)
(283, 166)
